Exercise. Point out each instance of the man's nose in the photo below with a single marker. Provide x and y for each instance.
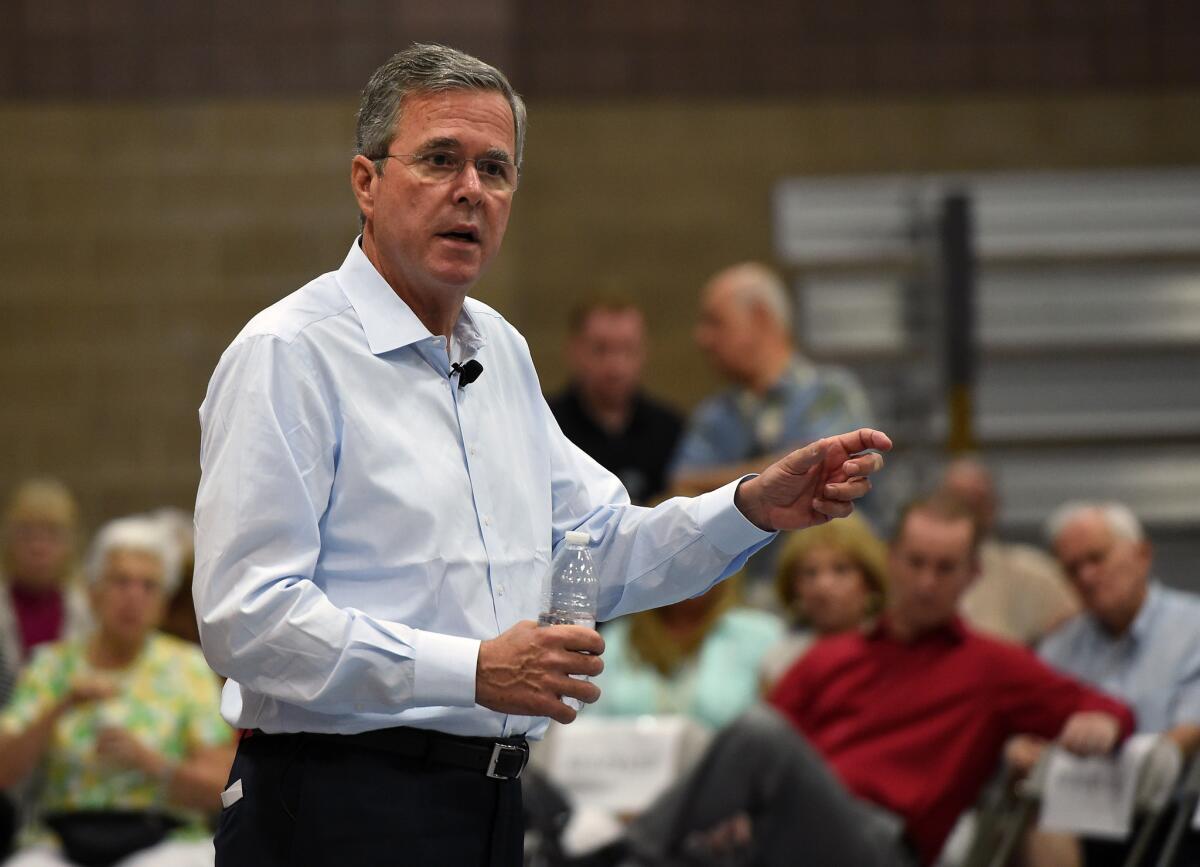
(469, 187)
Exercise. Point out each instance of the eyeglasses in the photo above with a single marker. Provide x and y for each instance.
(436, 167)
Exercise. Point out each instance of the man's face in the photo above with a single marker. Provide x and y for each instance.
(607, 355)
(1109, 572)
(440, 236)
(930, 564)
(727, 330)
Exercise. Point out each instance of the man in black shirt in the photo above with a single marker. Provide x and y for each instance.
(603, 410)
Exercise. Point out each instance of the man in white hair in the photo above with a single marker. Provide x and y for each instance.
(1136, 638)
(779, 398)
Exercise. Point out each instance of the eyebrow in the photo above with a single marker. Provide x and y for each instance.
(450, 143)
(442, 142)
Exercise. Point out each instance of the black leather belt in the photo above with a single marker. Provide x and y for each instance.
(498, 758)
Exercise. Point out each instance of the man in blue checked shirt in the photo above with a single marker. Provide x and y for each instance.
(372, 530)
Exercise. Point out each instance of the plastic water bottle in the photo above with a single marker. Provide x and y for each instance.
(570, 592)
(571, 587)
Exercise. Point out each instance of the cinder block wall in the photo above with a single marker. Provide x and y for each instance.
(135, 240)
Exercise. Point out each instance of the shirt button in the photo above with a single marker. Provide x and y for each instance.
(500, 590)
(472, 451)
(487, 522)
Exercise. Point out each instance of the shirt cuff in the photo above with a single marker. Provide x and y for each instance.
(445, 669)
(724, 525)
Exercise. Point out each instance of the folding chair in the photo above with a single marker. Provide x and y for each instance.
(1187, 797)
(1006, 811)
(1003, 825)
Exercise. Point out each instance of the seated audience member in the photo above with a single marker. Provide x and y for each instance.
(40, 600)
(877, 740)
(180, 617)
(604, 410)
(830, 579)
(1020, 594)
(699, 657)
(125, 722)
(778, 399)
(1135, 638)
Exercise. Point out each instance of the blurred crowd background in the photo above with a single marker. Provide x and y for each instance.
(983, 216)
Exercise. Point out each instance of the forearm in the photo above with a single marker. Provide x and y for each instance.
(294, 645)
(20, 752)
(1187, 737)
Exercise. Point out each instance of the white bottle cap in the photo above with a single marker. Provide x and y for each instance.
(578, 537)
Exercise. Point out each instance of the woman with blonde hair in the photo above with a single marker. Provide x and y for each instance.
(40, 598)
(830, 579)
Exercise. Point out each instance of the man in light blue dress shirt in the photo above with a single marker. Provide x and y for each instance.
(1136, 639)
(373, 525)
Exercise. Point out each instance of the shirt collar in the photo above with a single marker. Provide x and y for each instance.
(1145, 617)
(386, 320)
(955, 630)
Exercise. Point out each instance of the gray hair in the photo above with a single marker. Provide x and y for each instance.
(758, 284)
(426, 68)
(143, 534)
(1119, 518)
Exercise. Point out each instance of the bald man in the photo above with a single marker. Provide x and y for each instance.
(1021, 593)
(778, 397)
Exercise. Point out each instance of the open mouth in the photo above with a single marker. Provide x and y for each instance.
(467, 236)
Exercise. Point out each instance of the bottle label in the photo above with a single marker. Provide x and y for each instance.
(552, 618)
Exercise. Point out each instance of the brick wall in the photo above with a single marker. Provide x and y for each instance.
(136, 240)
(168, 169)
(136, 49)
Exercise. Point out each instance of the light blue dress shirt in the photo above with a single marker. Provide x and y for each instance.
(1154, 667)
(362, 523)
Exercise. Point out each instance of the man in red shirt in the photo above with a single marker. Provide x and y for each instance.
(902, 724)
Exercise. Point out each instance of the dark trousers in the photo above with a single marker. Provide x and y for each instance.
(8, 824)
(309, 801)
(800, 813)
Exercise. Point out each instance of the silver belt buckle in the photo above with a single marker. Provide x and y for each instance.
(497, 751)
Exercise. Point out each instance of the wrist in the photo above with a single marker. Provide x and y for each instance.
(746, 500)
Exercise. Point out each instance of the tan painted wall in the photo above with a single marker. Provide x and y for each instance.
(135, 240)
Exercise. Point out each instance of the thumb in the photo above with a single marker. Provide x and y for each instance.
(802, 460)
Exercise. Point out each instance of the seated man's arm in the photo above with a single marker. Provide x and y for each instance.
(1037, 700)
(1187, 737)
(700, 481)
(712, 452)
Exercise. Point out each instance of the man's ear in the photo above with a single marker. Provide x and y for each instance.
(363, 178)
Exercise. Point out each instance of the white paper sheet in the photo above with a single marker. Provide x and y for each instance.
(1094, 796)
(622, 764)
